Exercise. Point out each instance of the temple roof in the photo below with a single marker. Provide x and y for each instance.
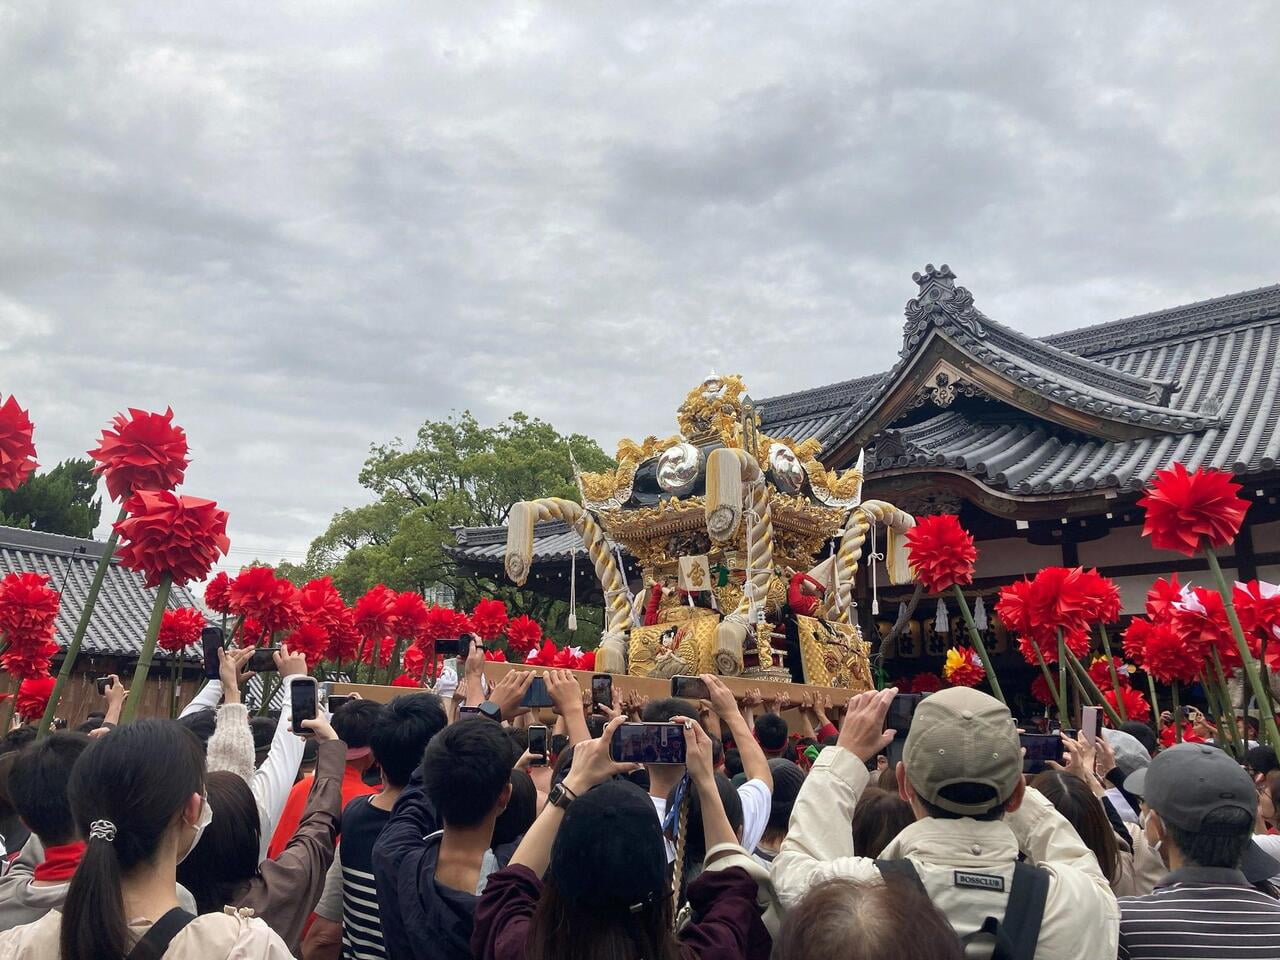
(1096, 407)
(123, 610)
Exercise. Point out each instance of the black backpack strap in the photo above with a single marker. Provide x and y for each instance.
(903, 870)
(156, 940)
(1020, 929)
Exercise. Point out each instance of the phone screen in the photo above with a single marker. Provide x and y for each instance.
(104, 684)
(211, 639)
(602, 689)
(263, 660)
(455, 646)
(302, 700)
(536, 695)
(648, 743)
(901, 710)
(1041, 748)
(337, 700)
(689, 688)
(538, 744)
(1091, 723)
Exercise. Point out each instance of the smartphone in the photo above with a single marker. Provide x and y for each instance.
(458, 647)
(263, 660)
(602, 690)
(648, 743)
(337, 700)
(689, 688)
(211, 640)
(302, 701)
(1091, 723)
(1041, 748)
(901, 710)
(537, 695)
(538, 744)
(104, 684)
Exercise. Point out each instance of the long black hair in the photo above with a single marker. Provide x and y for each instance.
(226, 858)
(138, 779)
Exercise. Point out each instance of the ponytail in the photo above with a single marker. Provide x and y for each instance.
(125, 791)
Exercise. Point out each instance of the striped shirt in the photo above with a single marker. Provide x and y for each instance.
(1200, 913)
(361, 930)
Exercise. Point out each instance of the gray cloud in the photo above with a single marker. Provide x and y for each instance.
(310, 229)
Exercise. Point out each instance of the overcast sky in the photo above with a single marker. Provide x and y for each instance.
(310, 226)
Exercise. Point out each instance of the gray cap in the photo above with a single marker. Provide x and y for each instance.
(961, 735)
(1187, 782)
(1131, 755)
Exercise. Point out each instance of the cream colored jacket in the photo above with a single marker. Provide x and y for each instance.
(1081, 917)
(213, 936)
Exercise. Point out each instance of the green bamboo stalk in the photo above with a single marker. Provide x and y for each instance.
(1215, 706)
(1155, 703)
(1115, 676)
(1085, 682)
(139, 685)
(82, 625)
(1048, 679)
(1224, 697)
(1062, 673)
(979, 645)
(173, 688)
(1268, 724)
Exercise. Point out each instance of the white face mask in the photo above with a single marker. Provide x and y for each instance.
(1143, 820)
(200, 826)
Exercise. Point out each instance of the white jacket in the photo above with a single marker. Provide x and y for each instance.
(1081, 917)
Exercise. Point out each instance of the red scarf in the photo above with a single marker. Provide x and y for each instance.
(59, 863)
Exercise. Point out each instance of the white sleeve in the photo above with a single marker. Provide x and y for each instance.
(757, 804)
(208, 698)
(274, 779)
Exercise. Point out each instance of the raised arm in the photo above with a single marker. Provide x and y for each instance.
(231, 746)
(754, 763)
(273, 780)
(567, 697)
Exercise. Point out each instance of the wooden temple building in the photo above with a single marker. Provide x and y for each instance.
(1042, 446)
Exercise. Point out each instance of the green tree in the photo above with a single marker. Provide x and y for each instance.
(61, 500)
(456, 473)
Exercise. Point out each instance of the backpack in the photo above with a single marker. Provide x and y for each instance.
(1014, 937)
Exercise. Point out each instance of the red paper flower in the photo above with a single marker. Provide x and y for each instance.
(33, 697)
(414, 660)
(544, 656)
(1258, 607)
(439, 621)
(406, 680)
(409, 616)
(1201, 621)
(1102, 597)
(1040, 689)
(1168, 735)
(378, 650)
(1014, 607)
(461, 624)
(27, 605)
(373, 611)
(489, 619)
(498, 656)
(344, 639)
(270, 600)
(1077, 642)
(1135, 704)
(168, 535)
(1135, 639)
(926, 683)
(144, 451)
(1186, 511)
(1162, 596)
(1169, 658)
(180, 629)
(1100, 672)
(217, 593)
(941, 552)
(30, 655)
(963, 668)
(311, 640)
(17, 452)
(585, 661)
(523, 634)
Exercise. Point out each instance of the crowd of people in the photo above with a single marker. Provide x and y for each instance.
(426, 827)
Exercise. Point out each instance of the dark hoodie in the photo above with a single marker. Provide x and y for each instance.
(421, 919)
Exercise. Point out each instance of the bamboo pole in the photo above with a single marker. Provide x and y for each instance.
(148, 648)
(979, 645)
(1268, 725)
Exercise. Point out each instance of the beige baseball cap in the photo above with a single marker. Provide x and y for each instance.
(960, 735)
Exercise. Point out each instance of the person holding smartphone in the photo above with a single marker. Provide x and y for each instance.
(756, 794)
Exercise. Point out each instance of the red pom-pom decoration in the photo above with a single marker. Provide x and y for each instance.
(489, 619)
(523, 634)
(143, 451)
(17, 451)
(1187, 511)
(941, 552)
(179, 628)
(33, 697)
(168, 535)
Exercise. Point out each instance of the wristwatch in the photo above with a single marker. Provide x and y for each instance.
(491, 710)
(561, 796)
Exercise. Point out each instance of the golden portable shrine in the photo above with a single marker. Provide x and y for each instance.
(729, 527)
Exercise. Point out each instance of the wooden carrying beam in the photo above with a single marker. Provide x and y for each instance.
(651, 687)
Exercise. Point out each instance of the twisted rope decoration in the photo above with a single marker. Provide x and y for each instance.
(682, 839)
(840, 608)
(520, 525)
